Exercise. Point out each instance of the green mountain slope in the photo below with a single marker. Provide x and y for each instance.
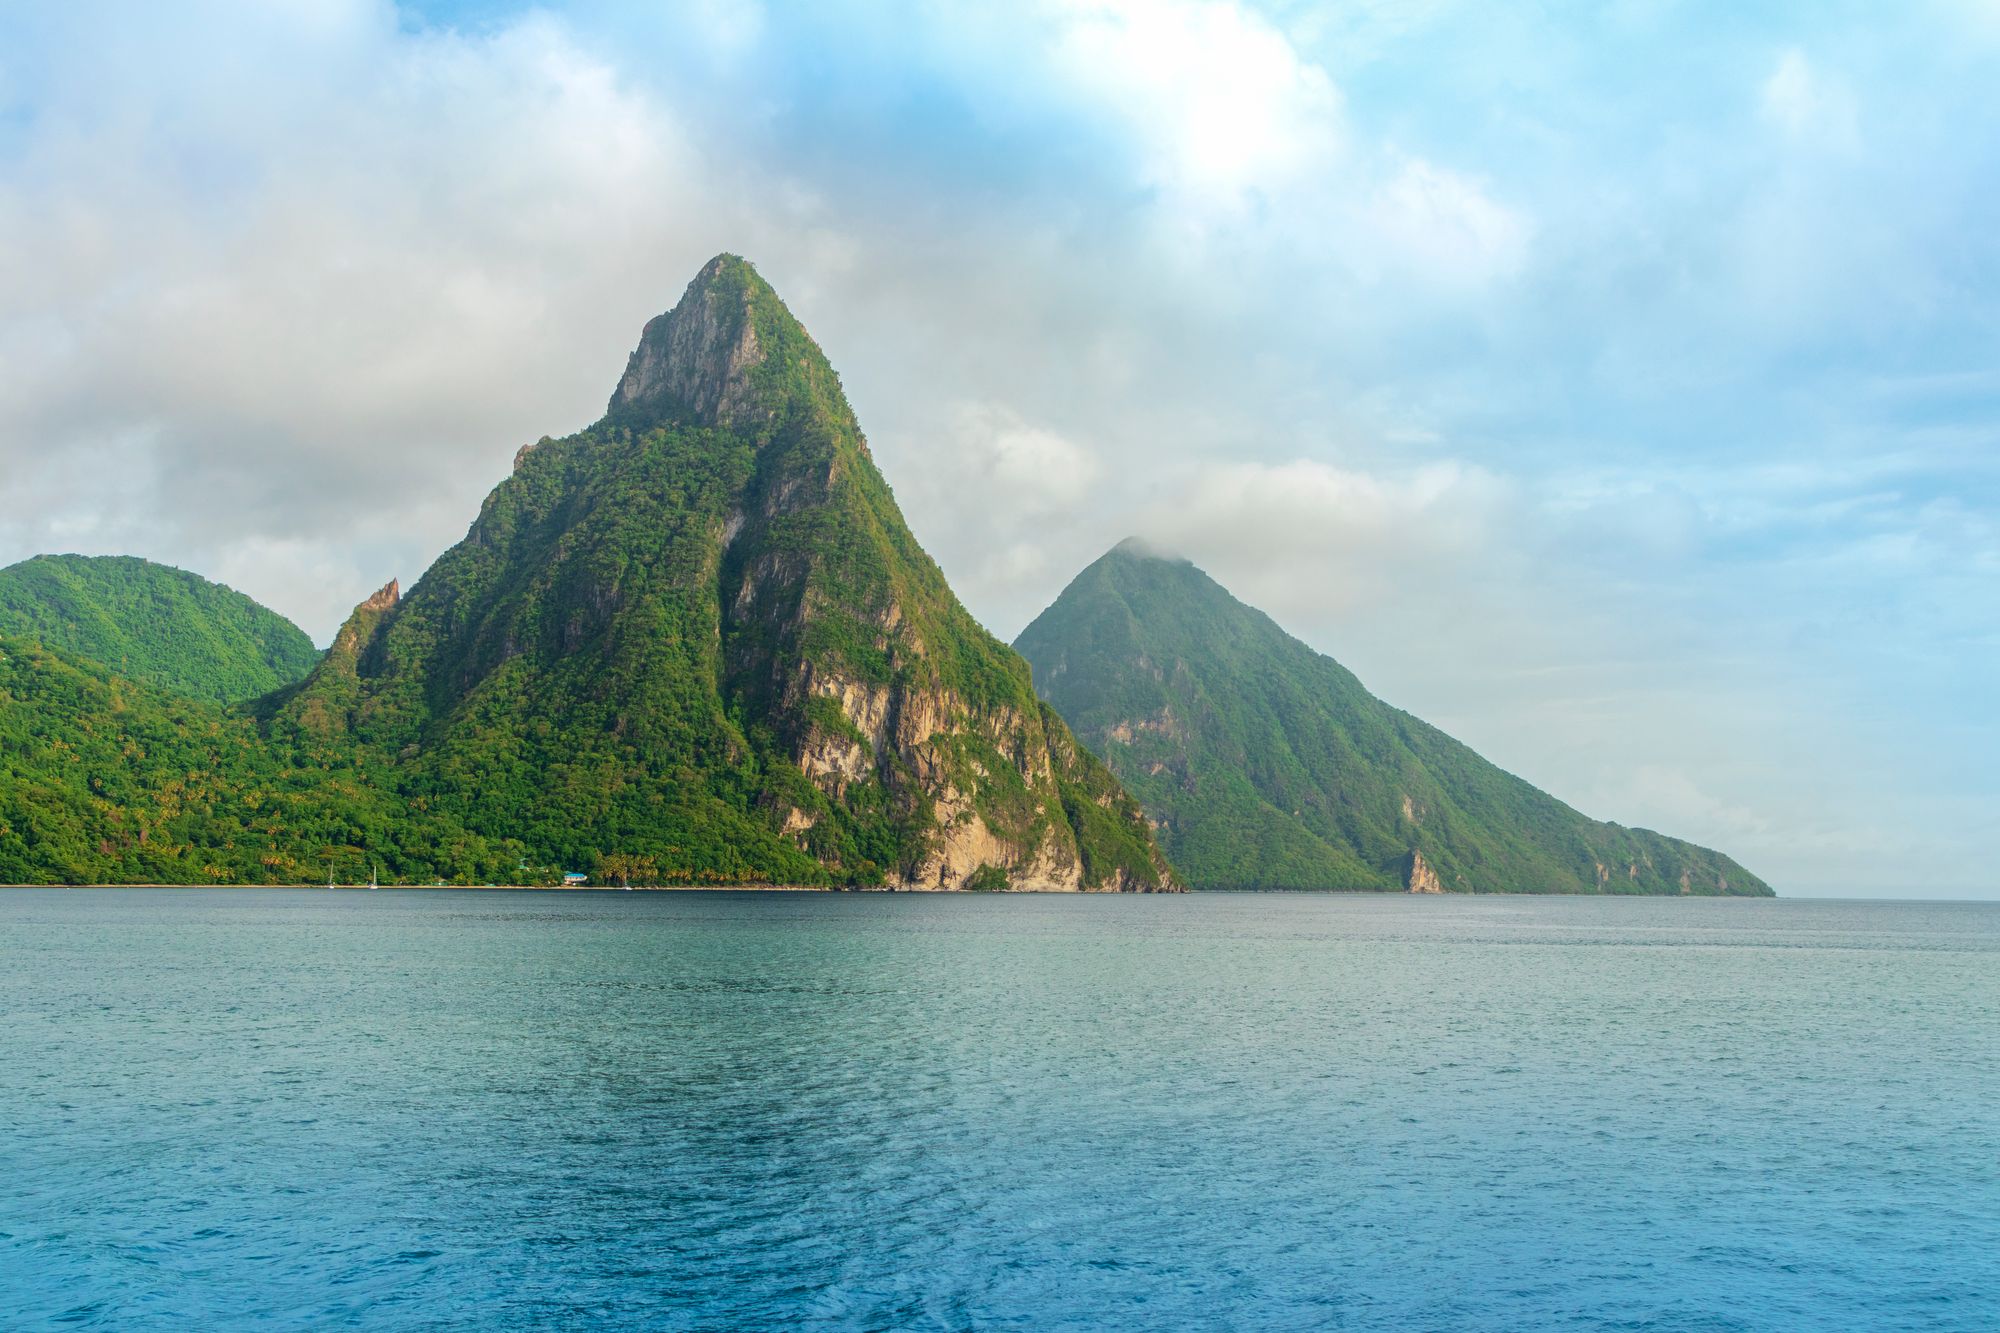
(107, 780)
(697, 641)
(1265, 764)
(155, 624)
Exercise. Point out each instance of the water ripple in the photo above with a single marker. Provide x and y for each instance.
(239, 1109)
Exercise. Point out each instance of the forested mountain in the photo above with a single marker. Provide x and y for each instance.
(693, 643)
(155, 624)
(1264, 764)
(700, 636)
(697, 642)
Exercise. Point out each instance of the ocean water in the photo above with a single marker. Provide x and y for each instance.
(225, 1109)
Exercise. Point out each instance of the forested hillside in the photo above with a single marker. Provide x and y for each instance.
(1265, 764)
(154, 623)
(693, 643)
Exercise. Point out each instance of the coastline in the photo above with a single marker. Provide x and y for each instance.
(512, 888)
(613, 888)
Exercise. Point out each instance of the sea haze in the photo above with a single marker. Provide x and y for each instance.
(233, 1108)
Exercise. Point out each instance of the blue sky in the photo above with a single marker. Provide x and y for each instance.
(1613, 384)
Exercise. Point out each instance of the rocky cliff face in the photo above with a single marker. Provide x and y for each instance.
(1423, 879)
(383, 598)
(696, 360)
(701, 635)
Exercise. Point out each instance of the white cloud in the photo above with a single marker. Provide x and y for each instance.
(995, 486)
(335, 317)
(1004, 459)
(1246, 142)
(1444, 227)
(1678, 798)
(1310, 534)
(1222, 103)
(1803, 102)
(989, 466)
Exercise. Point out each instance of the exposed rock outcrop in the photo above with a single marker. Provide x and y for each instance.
(700, 634)
(383, 598)
(697, 357)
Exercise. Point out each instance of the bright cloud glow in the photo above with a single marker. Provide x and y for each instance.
(1221, 102)
(1240, 132)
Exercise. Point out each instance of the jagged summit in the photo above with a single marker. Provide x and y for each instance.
(700, 636)
(697, 358)
(384, 597)
(728, 354)
(695, 642)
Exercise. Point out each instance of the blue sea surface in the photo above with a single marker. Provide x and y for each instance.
(235, 1108)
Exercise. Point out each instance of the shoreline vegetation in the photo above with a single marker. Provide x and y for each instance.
(696, 645)
(1263, 763)
(1011, 893)
(695, 641)
(519, 888)
(524, 888)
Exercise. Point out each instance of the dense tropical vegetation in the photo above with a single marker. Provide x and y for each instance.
(155, 624)
(107, 780)
(1267, 765)
(697, 643)
(693, 643)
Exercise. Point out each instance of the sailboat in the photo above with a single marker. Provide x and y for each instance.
(371, 878)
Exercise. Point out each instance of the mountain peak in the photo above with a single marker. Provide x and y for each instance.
(1263, 763)
(384, 597)
(1142, 548)
(699, 358)
(708, 611)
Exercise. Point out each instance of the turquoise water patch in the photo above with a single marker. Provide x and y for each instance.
(243, 1108)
